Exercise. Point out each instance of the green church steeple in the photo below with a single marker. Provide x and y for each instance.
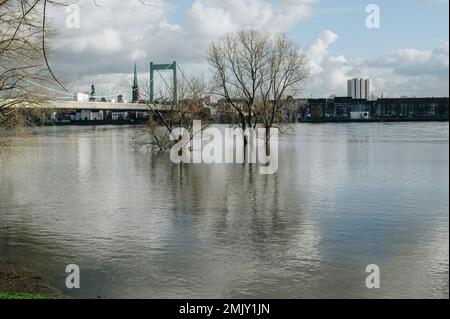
(135, 94)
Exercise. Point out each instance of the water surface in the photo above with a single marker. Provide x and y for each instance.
(345, 196)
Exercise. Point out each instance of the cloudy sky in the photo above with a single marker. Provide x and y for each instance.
(407, 55)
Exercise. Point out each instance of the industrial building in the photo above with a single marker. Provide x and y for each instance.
(384, 109)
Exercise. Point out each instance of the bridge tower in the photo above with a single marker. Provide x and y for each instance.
(163, 67)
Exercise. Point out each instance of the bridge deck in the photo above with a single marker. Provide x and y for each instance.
(76, 105)
(105, 106)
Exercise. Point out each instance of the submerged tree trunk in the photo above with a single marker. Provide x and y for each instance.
(267, 140)
(244, 127)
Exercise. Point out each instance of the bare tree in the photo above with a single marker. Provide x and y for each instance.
(167, 114)
(238, 61)
(24, 64)
(254, 72)
(284, 73)
(24, 67)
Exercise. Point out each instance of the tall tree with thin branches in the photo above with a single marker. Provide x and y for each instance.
(255, 72)
(24, 66)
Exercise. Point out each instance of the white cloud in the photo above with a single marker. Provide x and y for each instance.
(318, 51)
(164, 24)
(409, 72)
(110, 38)
(119, 32)
(417, 62)
(137, 54)
(215, 17)
(106, 41)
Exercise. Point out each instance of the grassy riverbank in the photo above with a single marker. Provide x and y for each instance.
(12, 295)
(18, 282)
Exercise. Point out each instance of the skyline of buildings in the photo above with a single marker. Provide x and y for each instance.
(357, 88)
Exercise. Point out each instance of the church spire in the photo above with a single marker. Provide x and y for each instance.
(135, 94)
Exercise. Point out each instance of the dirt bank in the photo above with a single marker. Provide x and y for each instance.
(18, 279)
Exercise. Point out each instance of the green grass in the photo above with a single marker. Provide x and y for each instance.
(13, 295)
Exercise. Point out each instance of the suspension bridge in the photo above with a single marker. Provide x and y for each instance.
(67, 101)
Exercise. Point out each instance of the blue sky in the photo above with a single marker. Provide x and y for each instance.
(404, 24)
(407, 55)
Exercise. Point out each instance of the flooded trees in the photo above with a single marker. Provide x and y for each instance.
(255, 72)
(171, 112)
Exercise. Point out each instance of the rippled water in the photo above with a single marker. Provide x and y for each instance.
(345, 196)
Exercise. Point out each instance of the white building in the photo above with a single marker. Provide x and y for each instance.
(81, 97)
(88, 115)
(360, 110)
(97, 115)
(119, 116)
(360, 115)
(358, 89)
(83, 115)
